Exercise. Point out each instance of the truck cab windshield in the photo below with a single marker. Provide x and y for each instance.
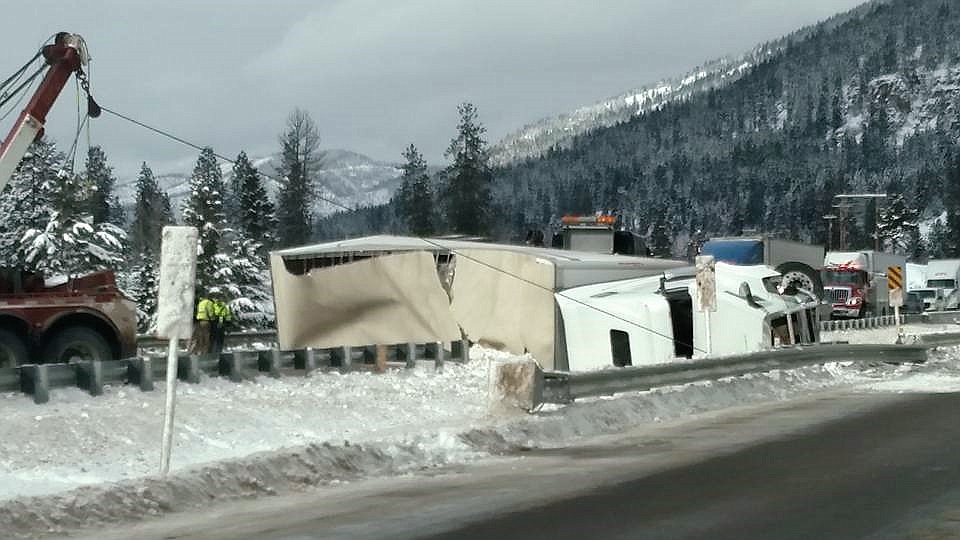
(842, 278)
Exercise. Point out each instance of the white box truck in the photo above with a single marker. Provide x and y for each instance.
(942, 278)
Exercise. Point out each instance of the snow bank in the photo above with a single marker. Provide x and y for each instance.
(941, 374)
(556, 426)
(76, 439)
(257, 475)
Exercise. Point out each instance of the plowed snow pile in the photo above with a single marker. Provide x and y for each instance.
(81, 461)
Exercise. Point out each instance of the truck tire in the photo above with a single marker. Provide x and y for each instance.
(76, 344)
(13, 351)
(802, 276)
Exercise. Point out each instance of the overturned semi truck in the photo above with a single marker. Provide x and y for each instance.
(569, 310)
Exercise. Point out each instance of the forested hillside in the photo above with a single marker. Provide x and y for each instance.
(867, 104)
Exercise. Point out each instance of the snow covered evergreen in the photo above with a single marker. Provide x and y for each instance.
(47, 225)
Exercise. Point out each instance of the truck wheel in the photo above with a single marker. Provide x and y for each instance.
(77, 344)
(802, 276)
(13, 352)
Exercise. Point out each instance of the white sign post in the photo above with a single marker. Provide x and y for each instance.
(707, 293)
(178, 279)
(895, 288)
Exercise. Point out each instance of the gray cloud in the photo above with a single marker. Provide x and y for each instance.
(375, 75)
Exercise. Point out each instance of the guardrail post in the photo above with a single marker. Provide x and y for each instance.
(140, 372)
(440, 358)
(90, 377)
(305, 359)
(464, 350)
(35, 381)
(228, 367)
(411, 354)
(519, 385)
(188, 368)
(268, 361)
(346, 357)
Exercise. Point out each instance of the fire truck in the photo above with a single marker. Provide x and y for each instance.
(53, 319)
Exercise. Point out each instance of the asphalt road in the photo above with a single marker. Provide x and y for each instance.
(891, 473)
(835, 466)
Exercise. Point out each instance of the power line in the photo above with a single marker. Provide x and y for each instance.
(458, 253)
(195, 146)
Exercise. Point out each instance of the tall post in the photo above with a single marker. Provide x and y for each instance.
(876, 225)
(169, 404)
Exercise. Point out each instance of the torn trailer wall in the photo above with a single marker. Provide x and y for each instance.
(381, 300)
(504, 299)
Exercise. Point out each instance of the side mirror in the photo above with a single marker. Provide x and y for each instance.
(747, 295)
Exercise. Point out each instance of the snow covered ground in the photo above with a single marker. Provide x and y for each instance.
(77, 439)
(79, 460)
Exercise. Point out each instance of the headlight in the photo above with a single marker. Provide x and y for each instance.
(855, 301)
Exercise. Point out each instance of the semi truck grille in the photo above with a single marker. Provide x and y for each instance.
(839, 296)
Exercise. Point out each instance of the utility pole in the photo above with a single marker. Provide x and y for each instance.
(830, 219)
(862, 197)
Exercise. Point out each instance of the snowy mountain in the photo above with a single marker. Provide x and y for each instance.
(347, 178)
(535, 139)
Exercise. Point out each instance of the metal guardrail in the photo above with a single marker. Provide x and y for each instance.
(937, 317)
(566, 387)
(147, 341)
(932, 341)
(860, 324)
(238, 365)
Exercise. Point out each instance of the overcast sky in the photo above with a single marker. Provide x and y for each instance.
(376, 75)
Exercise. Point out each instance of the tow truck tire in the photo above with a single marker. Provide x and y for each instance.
(803, 273)
(77, 343)
(13, 351)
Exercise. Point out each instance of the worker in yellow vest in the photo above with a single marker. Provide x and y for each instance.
(203, 326)
(222, 317)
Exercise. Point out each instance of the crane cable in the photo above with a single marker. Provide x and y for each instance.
(11, 79)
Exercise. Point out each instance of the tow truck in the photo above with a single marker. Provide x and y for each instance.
(598, 234)
(48, 319)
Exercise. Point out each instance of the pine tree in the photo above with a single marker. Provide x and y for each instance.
(938, 242)
(415, 197)
(898, 225)
(241, 273)
(139, 283)
(203, 209)
(466, 195)
(70, 242)
(25, 203)
(299, 160)
(254, 217)
(104, 205)
(951, 203)
(660, 242)
(151, 212)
